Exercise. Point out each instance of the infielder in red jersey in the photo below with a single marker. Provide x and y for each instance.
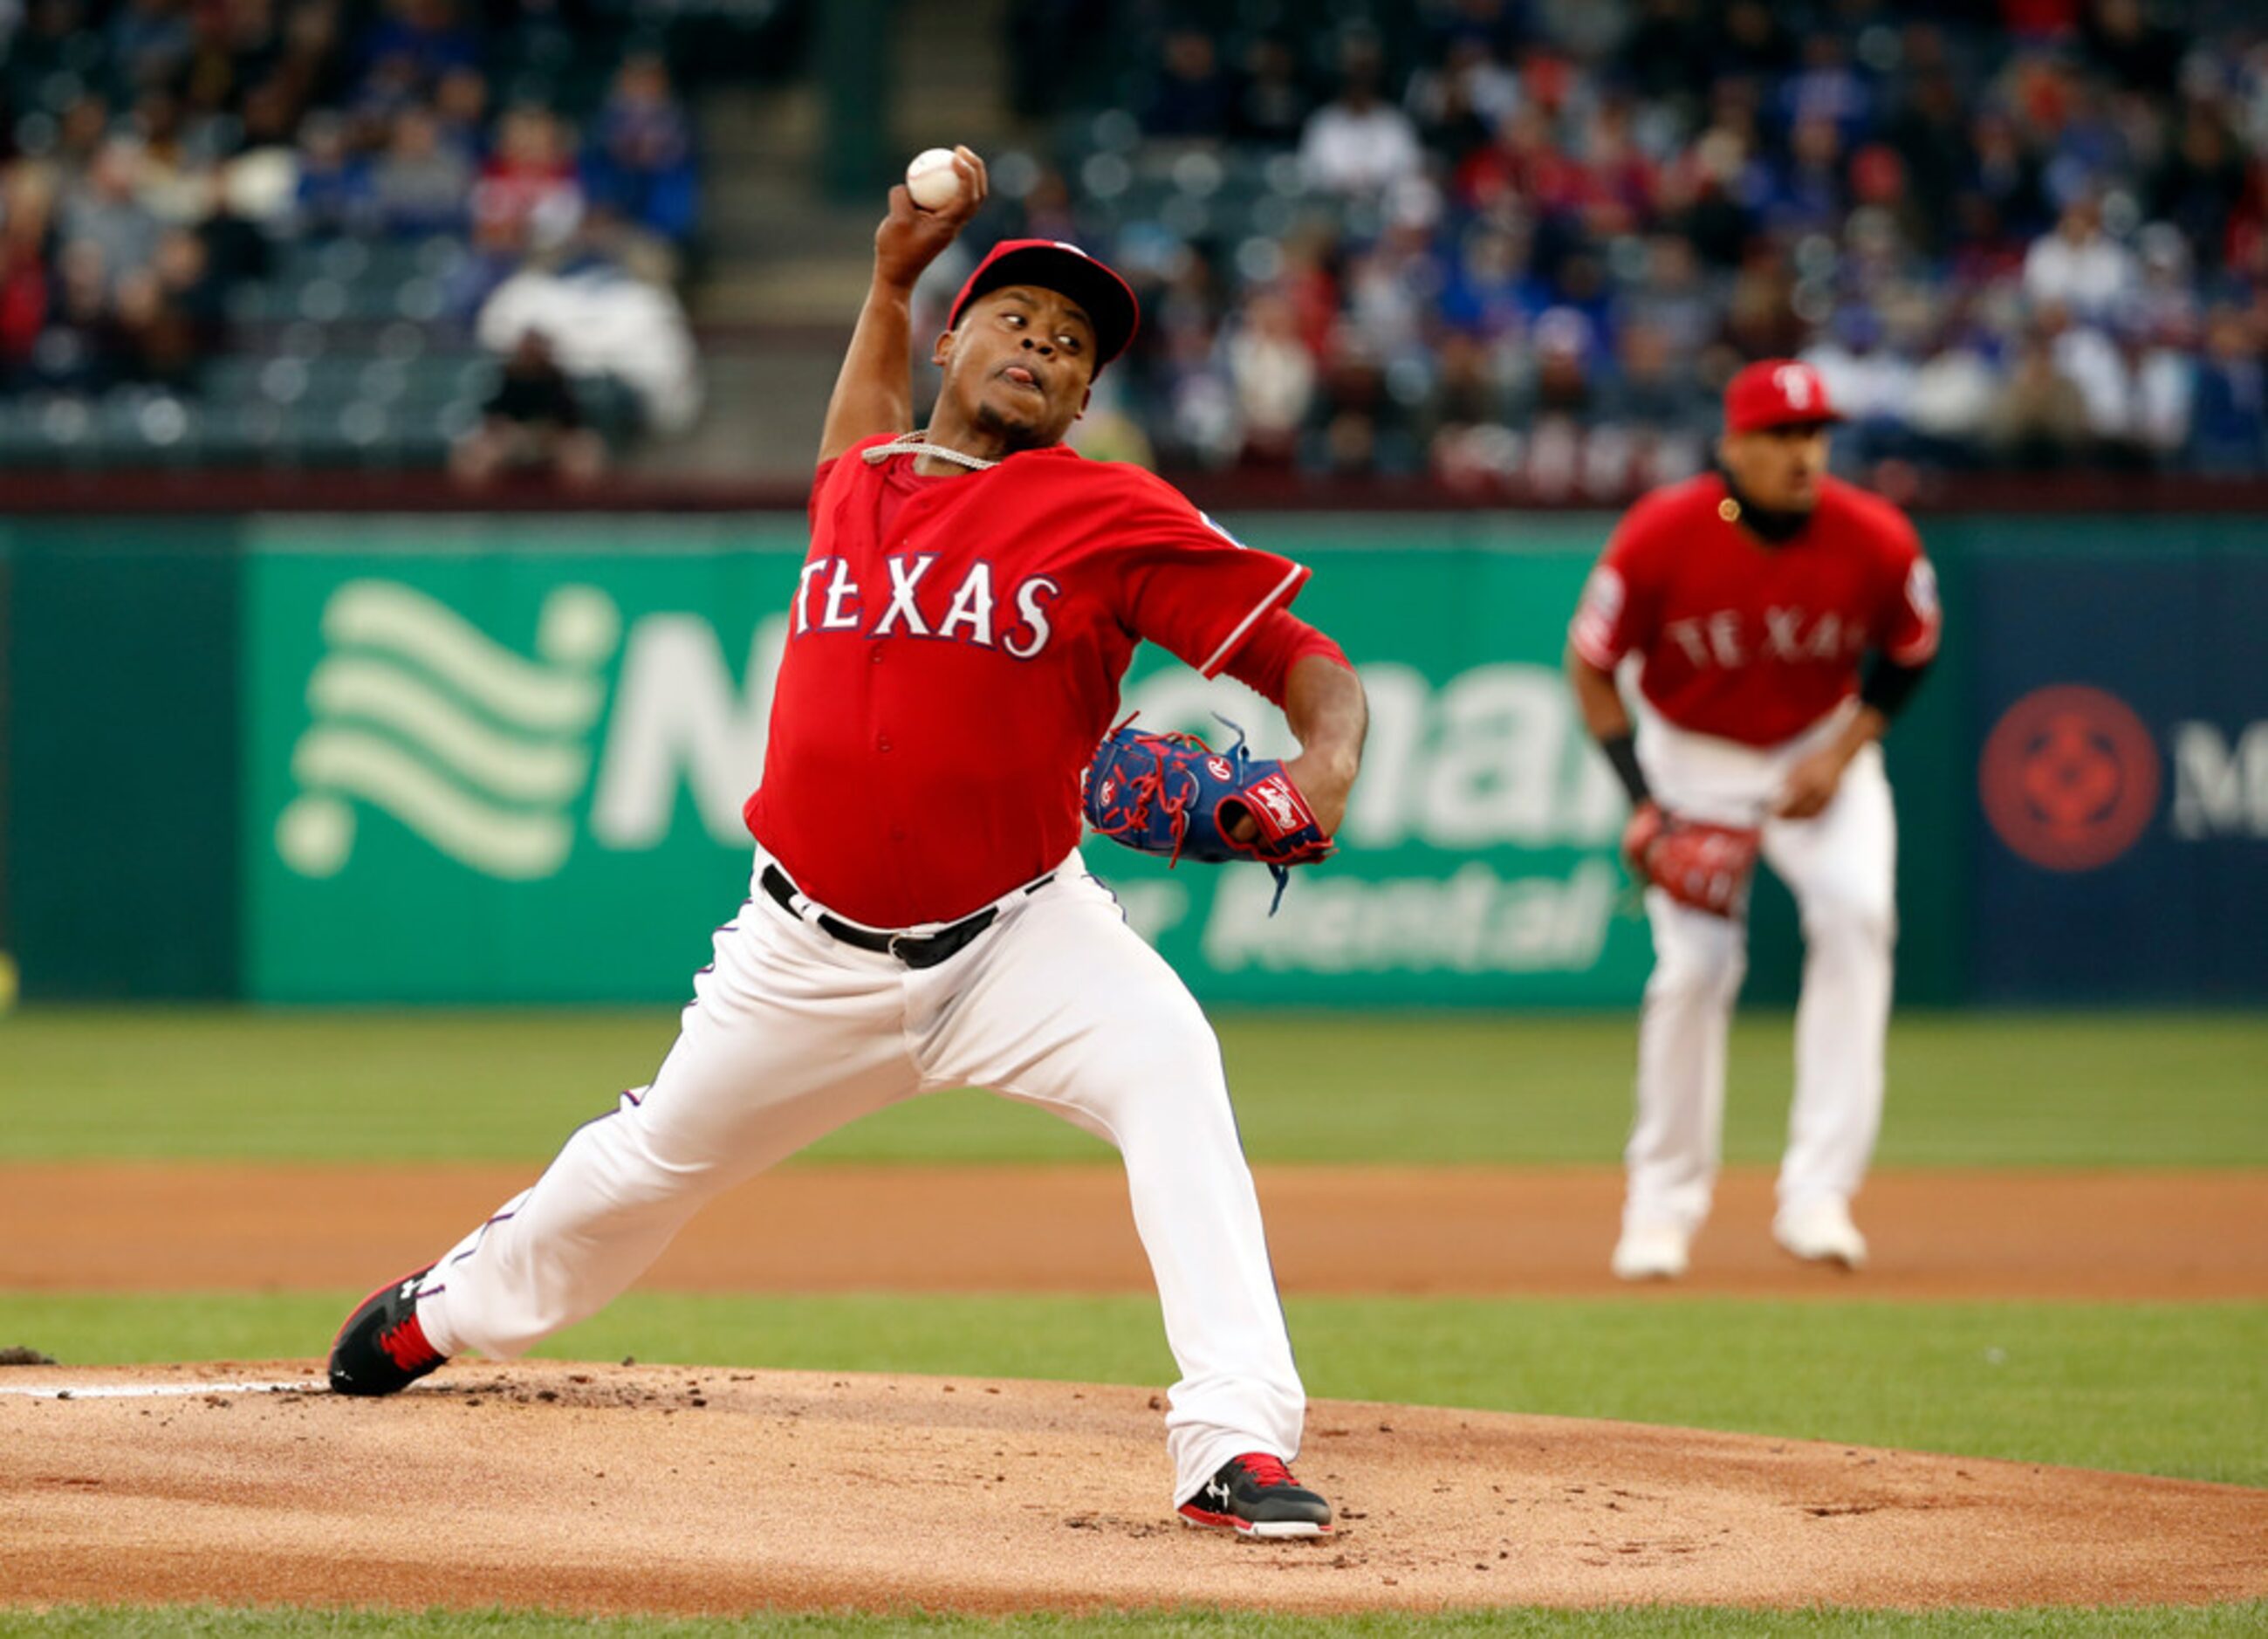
(1745, 602)
(919, 917)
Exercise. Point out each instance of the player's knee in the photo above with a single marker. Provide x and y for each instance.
(1701, 973)
(1859, 919)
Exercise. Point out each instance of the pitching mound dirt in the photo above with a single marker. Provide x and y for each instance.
(611, 1488)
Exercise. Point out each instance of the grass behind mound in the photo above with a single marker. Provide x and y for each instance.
(2176, 1390)
(1683, 1623)
(2122, 1089)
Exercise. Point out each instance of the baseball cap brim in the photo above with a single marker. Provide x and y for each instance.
(1052, 265)
(1771, 420)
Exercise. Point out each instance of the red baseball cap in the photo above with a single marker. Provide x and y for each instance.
(1777, 393)
(1053, 265)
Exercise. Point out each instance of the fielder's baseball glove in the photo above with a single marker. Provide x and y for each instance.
(1175, 794)
(1697, 864)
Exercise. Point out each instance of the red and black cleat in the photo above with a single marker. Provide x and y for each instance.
(1254, 1496)
(382, 1350)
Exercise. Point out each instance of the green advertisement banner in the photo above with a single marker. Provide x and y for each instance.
(498, 760)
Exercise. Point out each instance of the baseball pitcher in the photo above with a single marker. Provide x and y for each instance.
(918, 916)
(1745, 601)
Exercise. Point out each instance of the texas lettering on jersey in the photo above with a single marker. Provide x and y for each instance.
(828, 600)
(1729, 636)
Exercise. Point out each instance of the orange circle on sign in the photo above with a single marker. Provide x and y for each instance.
(2069, 777)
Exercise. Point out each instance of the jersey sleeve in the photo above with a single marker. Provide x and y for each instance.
(1278, 640)
(1910, 621)
(1188, 585)
(1616, 612)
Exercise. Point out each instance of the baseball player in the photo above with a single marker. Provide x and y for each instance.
(919, 917)
(1745, 601)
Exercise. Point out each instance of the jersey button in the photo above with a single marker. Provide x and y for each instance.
(882, 743)
(875, 654)
(897, 833)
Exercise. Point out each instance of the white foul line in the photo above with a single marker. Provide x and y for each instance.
(158, 1390)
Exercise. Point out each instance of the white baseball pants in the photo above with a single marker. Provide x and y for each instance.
(1841, 867)
(790, 1035)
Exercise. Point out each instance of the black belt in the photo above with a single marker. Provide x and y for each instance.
(915, 950)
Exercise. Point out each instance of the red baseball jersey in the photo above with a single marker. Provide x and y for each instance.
(953, 658)
(1749, 640)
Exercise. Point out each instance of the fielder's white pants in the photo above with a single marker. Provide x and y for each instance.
(790, 1035)
(1841, 867)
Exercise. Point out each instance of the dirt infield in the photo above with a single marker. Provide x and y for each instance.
(2113, 1236)
(610, 1488)
(607, 1488)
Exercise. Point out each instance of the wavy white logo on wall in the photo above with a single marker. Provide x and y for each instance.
(417, 713)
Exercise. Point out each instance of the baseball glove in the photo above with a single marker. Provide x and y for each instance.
(1175, 794)
(1697, 864)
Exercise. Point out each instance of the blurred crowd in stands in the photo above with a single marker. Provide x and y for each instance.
(1496, 239)
(159, 158)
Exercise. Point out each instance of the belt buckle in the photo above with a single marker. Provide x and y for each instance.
(891, 947)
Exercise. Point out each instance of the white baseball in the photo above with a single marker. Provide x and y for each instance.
(931, 180)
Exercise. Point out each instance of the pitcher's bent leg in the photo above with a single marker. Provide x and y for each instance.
(776, 1050)
(1070, 1009)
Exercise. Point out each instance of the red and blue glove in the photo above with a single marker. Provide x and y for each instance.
(1175, 794)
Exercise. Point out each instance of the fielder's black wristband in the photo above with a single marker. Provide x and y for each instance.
(1621, 752)
(1888, 685)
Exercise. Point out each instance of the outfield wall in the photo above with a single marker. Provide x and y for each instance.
(304, 759)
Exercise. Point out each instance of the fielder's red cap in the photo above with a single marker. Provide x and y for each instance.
(1068, 270)
(1777, 393)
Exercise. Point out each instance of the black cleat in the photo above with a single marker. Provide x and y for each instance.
(382, 1350)
(1254, 1496)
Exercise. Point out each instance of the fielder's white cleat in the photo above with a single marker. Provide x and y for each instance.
(1822, 1233)
(1651, 1251)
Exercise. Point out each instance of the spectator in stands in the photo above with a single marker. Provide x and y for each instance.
(528, 193)
(425, 35)
(2229, 418)
(2203, 184)
(461, 105)
(150, 42)
(641, 158)
(190, 290)
(1358, 144)
(105, 210)
(72, 352)
(1650, 389)
(1952, 399)
(26, 218)
(1271, 106)
(1191, 95)
(420, 184)
(149, 341)
(1458, 105)
(334, 194)
(532, 425)
(1274, 377)
(2079, 266)
(2039, 420)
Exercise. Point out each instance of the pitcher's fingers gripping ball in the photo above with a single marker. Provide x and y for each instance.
(933, 180)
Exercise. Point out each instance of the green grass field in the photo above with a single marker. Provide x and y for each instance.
(2164, 1389)
(2072, 1090)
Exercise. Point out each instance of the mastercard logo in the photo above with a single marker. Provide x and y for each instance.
(2070, 777)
